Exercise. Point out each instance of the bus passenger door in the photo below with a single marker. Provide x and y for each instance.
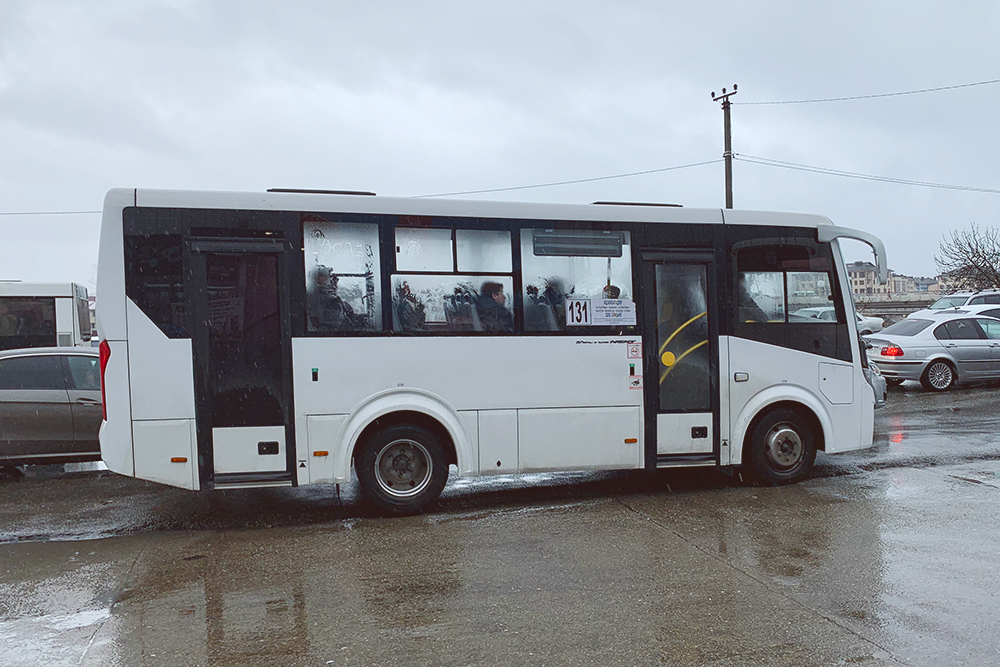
(242, 364)
(681, 351)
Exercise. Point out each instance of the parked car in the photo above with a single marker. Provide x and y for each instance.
(866, 325)
(960, 300)
(875, 378)
(50, 405)
(938, 350)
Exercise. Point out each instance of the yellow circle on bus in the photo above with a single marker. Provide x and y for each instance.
(668, 359)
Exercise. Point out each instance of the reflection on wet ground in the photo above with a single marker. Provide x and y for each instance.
(883, 557)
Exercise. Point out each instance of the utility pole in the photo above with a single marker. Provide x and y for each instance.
(728, 155)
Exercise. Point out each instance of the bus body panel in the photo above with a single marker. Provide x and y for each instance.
(469, 373)
(116, 430)
(497, 441)
(166, 451)
(111, 262)
(579, 439)
(161, 371)
(550, 372)
(777, 374)
(674, 433)
(318, 439)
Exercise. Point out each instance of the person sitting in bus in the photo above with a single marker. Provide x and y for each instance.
(410, 313)
(493, 313)
(611, 292)
(328, 311)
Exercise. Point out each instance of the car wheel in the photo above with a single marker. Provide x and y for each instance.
(782, 448)
(939, 376)
(402, 469)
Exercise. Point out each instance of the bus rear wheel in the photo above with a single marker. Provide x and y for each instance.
(782, 448)
(402, 469)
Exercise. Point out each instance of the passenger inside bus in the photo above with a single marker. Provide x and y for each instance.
(328, 311)
(493, 314)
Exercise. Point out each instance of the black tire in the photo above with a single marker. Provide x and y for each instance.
(402, 469)
(939, 376)
(782, 448)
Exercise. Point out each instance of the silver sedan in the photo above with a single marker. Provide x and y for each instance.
(938, 350)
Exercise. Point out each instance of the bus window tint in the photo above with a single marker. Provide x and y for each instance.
(343, 283)
(579, 264)
(481, 251)
(810, 290)
(451, 303)
(761, 296)
(453, 286)
(420, 249)
(27, 322)
(154, 280)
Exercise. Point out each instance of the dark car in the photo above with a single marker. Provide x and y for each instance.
(50, 405)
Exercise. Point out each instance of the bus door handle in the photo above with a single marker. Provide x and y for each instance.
(88, 401)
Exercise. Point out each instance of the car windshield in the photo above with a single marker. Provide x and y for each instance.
(907, 327)
(948, 302)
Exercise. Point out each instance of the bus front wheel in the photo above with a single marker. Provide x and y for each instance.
(782, 448)
(402, 469)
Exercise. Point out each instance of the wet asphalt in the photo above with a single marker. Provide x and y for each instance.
(883, 557)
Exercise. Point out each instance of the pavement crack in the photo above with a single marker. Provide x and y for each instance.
(763, 582)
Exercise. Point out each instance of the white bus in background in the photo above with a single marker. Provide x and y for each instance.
(284, 338)
(43, 315)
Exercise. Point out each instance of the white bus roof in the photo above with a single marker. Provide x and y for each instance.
(17, 288)
(347, 203)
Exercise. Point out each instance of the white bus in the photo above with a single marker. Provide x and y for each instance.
(286, 338)
(43, 315)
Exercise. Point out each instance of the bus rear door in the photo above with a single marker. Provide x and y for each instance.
(242, 363)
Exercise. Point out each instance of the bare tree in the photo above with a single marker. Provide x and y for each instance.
(971, 257)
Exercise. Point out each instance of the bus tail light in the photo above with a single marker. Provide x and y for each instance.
(105, 352)
(892, 351)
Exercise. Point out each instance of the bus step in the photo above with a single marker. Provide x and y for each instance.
(684, 460)
(248, 480)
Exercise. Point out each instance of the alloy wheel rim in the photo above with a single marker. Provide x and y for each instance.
(403, 468)
(939, 375)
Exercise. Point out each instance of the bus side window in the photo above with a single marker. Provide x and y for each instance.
(457, 283)
(560, 264)
(343, 279)
(784, 297)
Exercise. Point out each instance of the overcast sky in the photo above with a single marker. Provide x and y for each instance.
(408, 98)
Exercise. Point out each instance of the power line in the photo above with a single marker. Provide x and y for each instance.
(47, 212)
(868, 97)
(579, 180)
(850, 174)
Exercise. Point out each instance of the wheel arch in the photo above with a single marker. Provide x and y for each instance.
(791, 398)
(400, 406)
(946, 359)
